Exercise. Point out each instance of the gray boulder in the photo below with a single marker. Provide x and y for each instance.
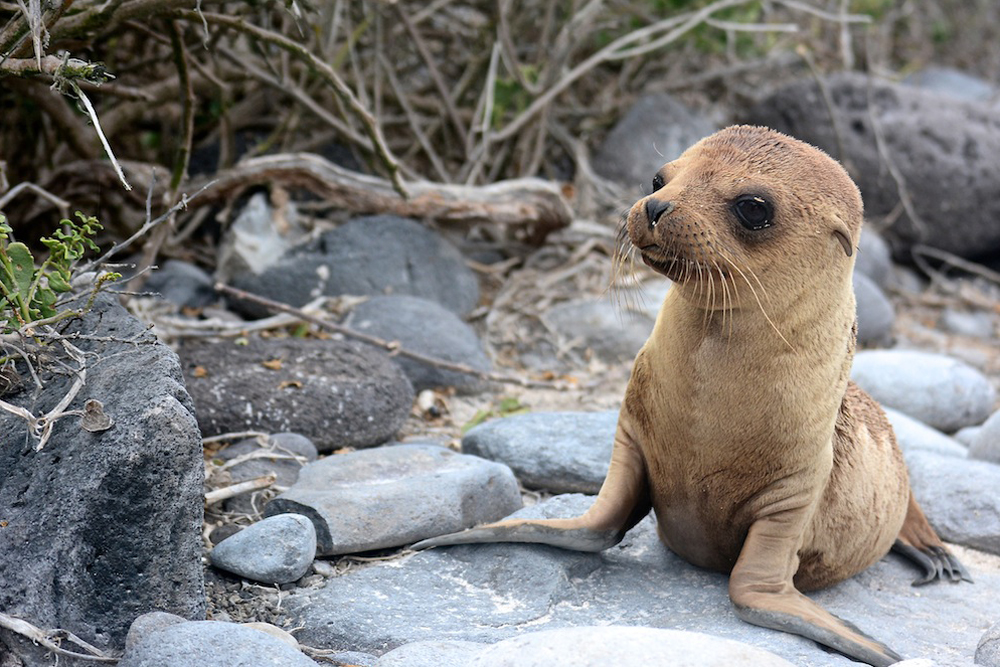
(212, 644)
(182, 283)
(913, 435)
(953, 83)
(427, 328)
(368, 256)
(939, 145)
(100, 527)
(936, 389)
(490, 593)
(337, 393)
(397, 495)
(976, 324)
(280, 454)
(275, 550)
(876, 314)
(432, 654)
(874, 257)
(959, 498)
(656, 130)
(616, 645)
(985, 445)
(561, 452)
(612, 334)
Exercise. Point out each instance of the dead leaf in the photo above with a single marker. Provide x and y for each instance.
(285, 384)
(273, 364)
(200, 372)
(94, 419)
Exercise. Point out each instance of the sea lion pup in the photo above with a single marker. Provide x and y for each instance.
(740, 426)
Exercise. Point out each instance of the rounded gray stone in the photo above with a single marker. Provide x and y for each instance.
(933, 388)
(275, 550)
(913, 435)
(876, 314)
(212, 644)
(988, 650)
(368, 256)
(959, 497)
(953, 83)
(428, 328)
(392, 496)
(182, 283)
(979, 324)
(600, 646)
(336, 393)
(874, 257)
(656, 130)
(561, 452)
(149, 623)
(597, 324)
(985, 445)
(967, 435)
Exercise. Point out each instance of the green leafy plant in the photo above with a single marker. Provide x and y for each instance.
(28, 293)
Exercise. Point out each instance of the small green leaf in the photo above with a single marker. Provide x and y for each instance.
(59, 282)
(23, 266)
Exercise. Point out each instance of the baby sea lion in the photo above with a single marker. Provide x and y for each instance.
(740, 427)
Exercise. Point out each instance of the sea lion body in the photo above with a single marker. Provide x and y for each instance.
(740, 426)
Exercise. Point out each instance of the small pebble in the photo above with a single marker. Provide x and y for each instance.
(275, 550)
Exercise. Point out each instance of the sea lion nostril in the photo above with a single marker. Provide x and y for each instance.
(656, 209)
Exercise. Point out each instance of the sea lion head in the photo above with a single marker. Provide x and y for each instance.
(748, 210)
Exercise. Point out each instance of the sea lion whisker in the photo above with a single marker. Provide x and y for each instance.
(757, 299)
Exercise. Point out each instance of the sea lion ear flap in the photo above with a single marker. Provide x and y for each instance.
(844, 236)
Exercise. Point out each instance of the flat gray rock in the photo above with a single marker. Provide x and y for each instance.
(280, 454)
(939, 145)
(212, 644)
(432, 654)
(561, 452)
(393, 496)
(428, 328)
(985, 444)
(337, 393)
(616, 645)
(275, 550)
(959, 498)
(656, 130)
(611, 333)
(876, 314)
(913, 435)
(368, 256)
(936, 389)
(489, 593)
(100, 527)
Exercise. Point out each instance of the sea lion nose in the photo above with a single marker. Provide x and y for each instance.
(656, 209)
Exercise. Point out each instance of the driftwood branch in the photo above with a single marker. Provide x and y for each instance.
(529, 207)
(393, 347)
(48, 639)
(256, 484)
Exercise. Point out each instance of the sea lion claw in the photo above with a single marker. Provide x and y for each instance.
(934, 561)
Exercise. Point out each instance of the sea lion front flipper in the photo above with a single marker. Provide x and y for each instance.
(622, 502)
(919, 543)
(762, 592)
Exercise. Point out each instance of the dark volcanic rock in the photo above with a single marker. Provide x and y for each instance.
(375, 255)
(98, 528)
(944, 149)
(336, 393)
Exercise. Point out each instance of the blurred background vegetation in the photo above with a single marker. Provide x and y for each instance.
(456, 92)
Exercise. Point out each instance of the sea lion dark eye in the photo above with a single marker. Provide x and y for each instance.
(753, 211)
(657, 182)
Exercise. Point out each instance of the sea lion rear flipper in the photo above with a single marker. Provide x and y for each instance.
(622, 502)
(762, 592)
(919, 543)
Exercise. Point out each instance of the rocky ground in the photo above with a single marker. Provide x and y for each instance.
(349, 452)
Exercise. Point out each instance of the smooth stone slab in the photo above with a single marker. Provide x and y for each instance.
(933, 388)
(616, 645)
(985, 444)
(488, 593)
(988, 651)
(432, 654)
(275, 550)
(562, 452)
(397, 495)
(428, 328)
(959, 498)
(212, 644)
(913, 435)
